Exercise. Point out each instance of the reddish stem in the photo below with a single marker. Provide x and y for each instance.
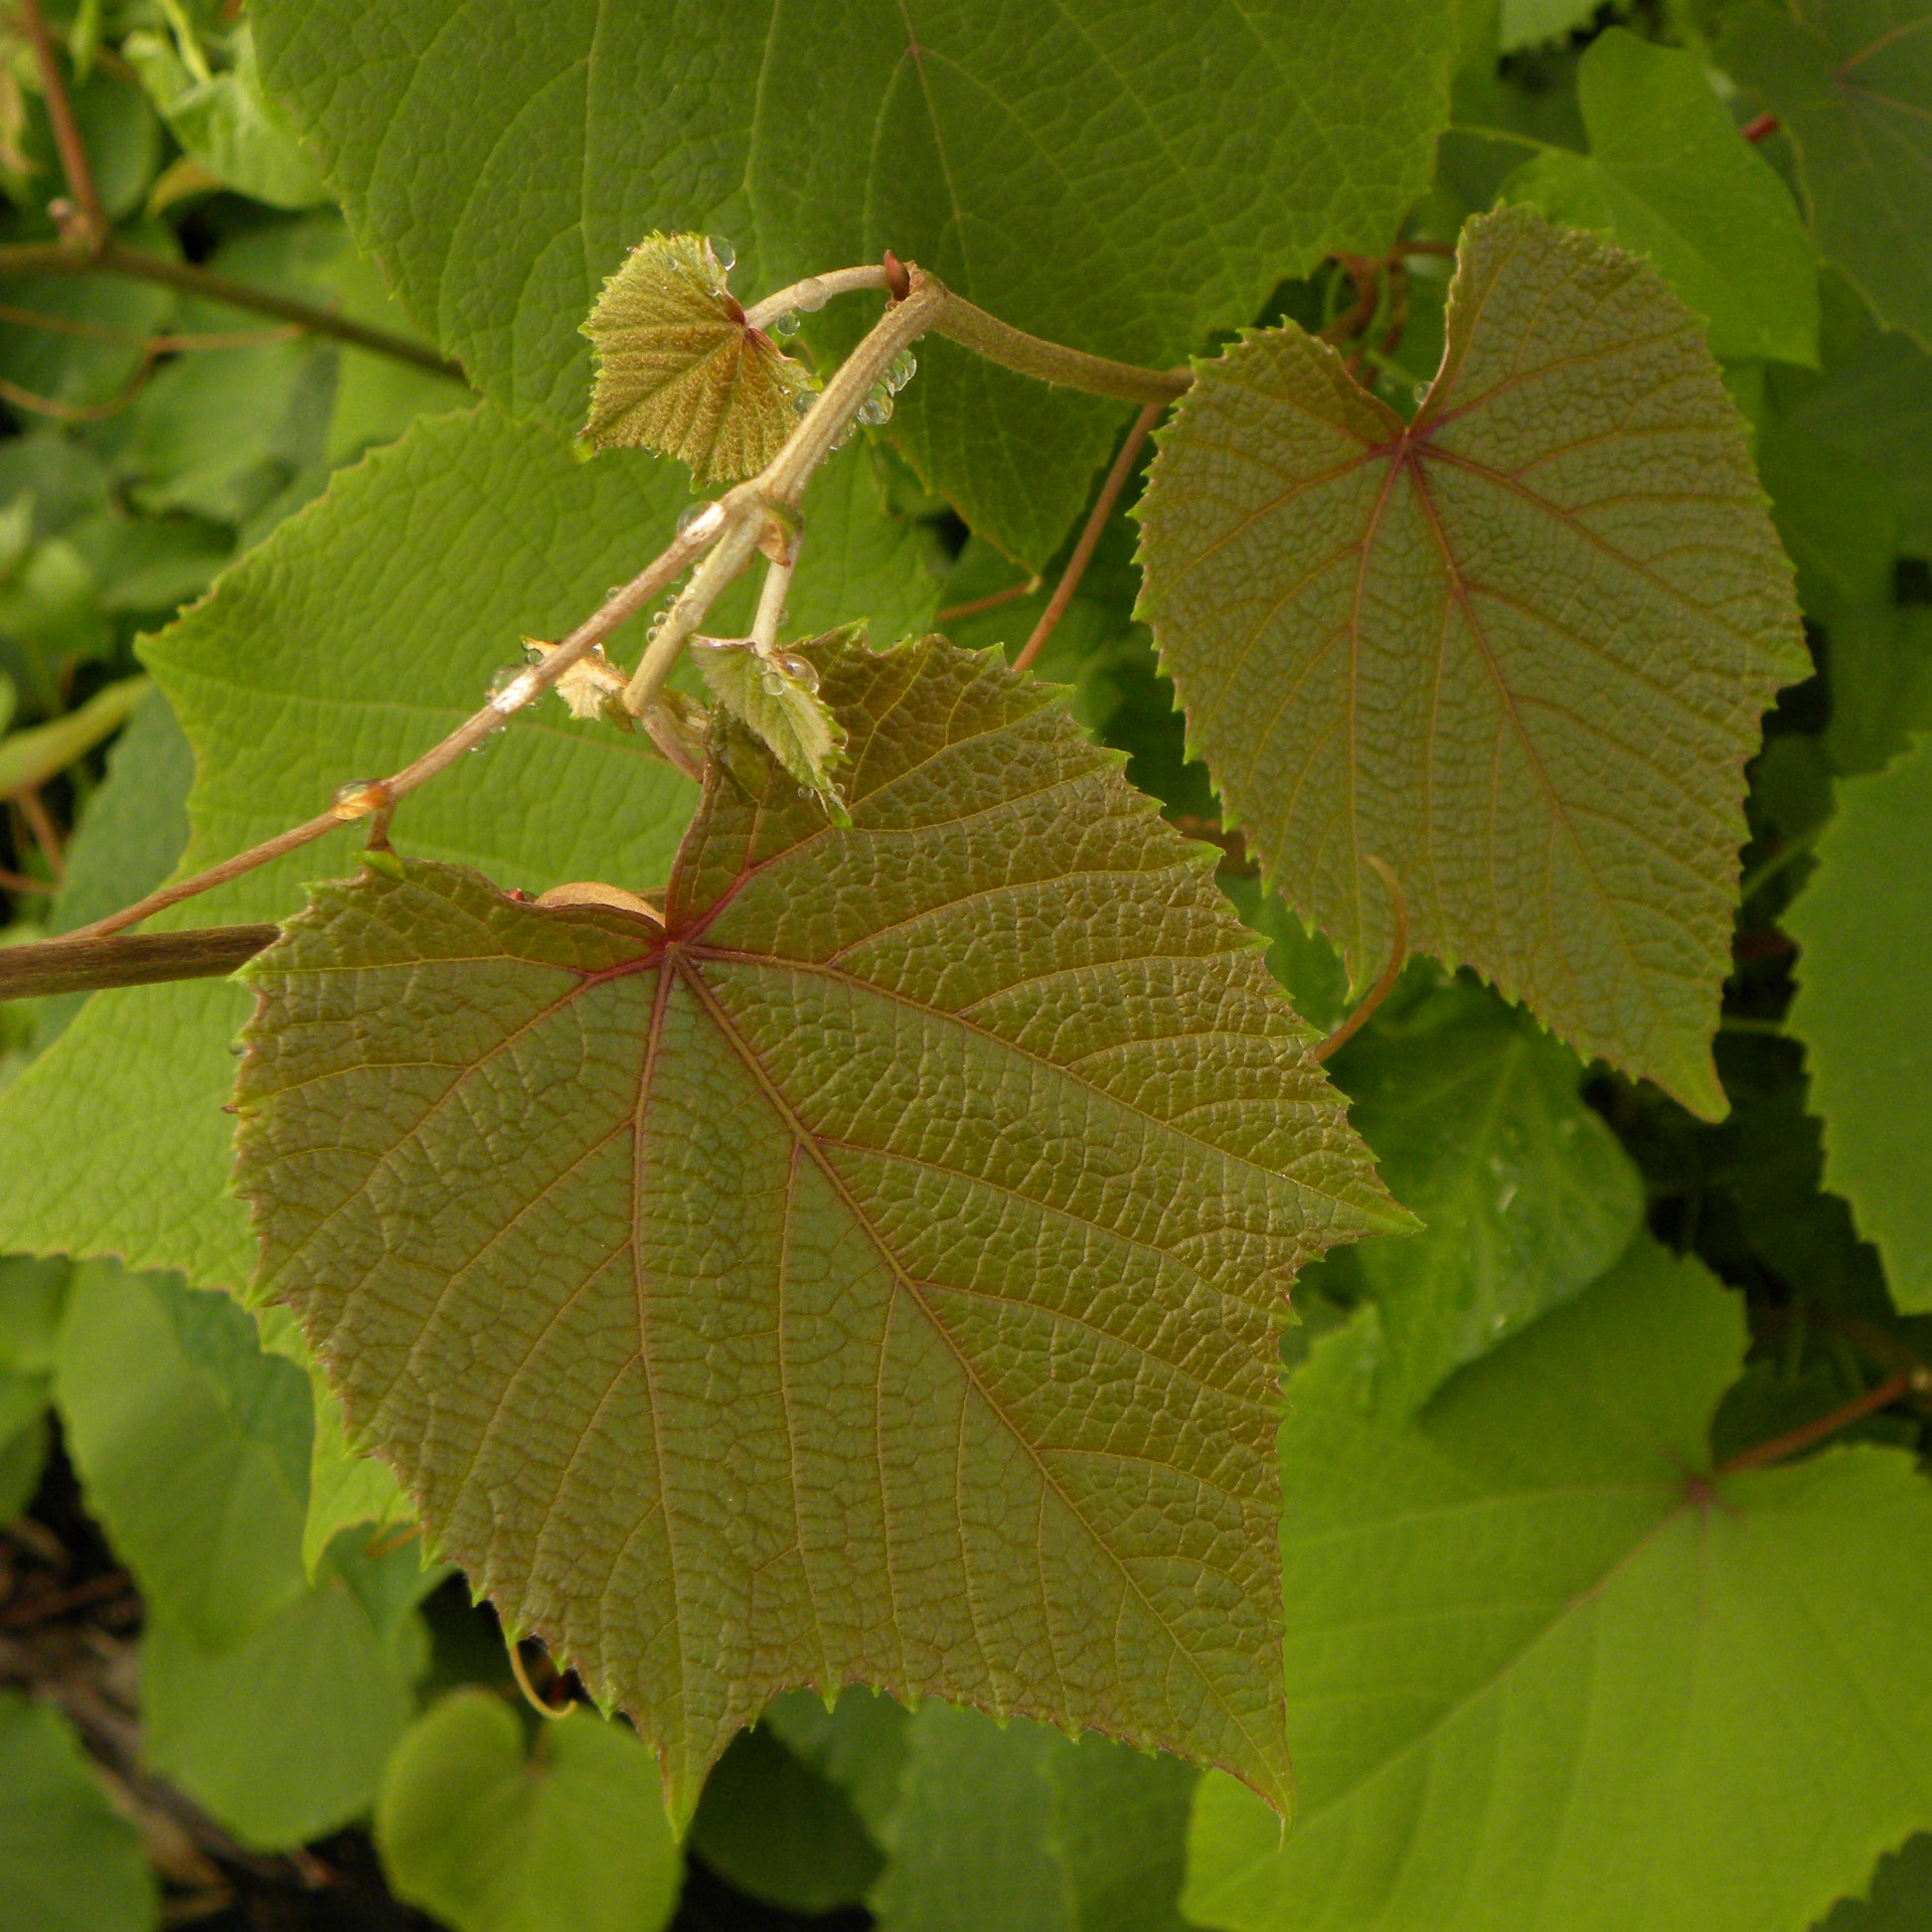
(90, 222)
(1893, 1389)
(1110, 490)
(972, 609)
(1397, 954)
(42, 827)
(1756, 129)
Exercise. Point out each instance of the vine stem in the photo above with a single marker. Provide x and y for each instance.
(88, 222)
(1906, 1382)
(1076, 565)
(813, 292)
(1376, 994)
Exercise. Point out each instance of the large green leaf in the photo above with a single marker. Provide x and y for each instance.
(1016, 1828)
(1240, 144)
(68, 1862)
(1549, 1673)
(874, 1280)
(572, 1837)
(1524, 1193)
(1668, 177)
(1851, 83)
(368, 627)
(284, 1736)
(193, 1446)
(1864, 1012)
(1518, 648)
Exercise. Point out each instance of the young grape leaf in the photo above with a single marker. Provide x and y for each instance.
(1864, 1012)
(1243, 145)
(1668, 177)
(68, 1861)
(1518, 648)
(871, 1275)
(780, 705)
(678, 370)
(1851, 83)
(363, 631)
(1475, 1121)
(1548, 1671)
(572, 1837)
(1014, 1826)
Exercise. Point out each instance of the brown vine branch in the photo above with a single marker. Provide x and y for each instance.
(1397, 955)
(1076, 565)
(1893, 1389)
(973, 606)
(1050, 362)
(68, 965)
(40, 823)
(88, 223)
(112, 257)
(12, 881)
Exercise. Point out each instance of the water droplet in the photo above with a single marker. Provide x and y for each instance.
(236, 1048)
(721, 253)
(697, 521)
(804, 791)
(801, 671)
(900, 370)
(810, 294)
(612, 591)
(874, 409)
(510, 689)
(783, 327)
(802, 403)
(773, 682)
(1421, 392)
(359, 798)
(533, 652)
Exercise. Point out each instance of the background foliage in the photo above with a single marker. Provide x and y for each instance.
(1583, 1625)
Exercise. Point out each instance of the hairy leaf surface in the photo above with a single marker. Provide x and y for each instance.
(1864, 1013)
(1518, 648)
(873, 1276)
(678, 370)
(1549, 1673)
(1524, 1193)
(1851, 83)
(366, 628)
(1242, 144)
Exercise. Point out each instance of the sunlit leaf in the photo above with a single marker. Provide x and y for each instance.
(679, 371)
(887, 1251)
(1518, 648)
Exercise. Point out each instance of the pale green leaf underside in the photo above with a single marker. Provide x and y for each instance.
(367, 627)
(1518, 649)
(1539, 1680)
(1246, 143)
(875, 1280)
(1864, 1013)
(1668, 177)
(1851, 81)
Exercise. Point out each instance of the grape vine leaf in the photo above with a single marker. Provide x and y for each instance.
(1863, 1009)
(1851, 83)
(572, 1837)
(678, 370)
(1900, 1898)
(68, 1861)
(335, 1669)
(1668, 177)
(781, 708)
(1010, 1826)
(304, 670)
(193, 1447)
(1518, 648)
(961, 134)
(1549, 1671)
(784, 1248)
(1476, 1124)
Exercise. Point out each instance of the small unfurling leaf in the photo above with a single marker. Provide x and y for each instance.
(679, 368)
(776, 696)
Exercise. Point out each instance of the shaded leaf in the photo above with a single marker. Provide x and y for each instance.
(1518, 648)
(1851, 83)
(777, 698)
(68, 1862)
(1668, 177)
(1548, 1673)
(1900, 1898)
(784, 1250)
(1476, 1124)
(1864, 1012)
(571, 1839)
(858, 1745)
(958, 132)
(679, 371)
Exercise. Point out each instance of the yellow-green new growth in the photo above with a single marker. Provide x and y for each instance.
(680, 370)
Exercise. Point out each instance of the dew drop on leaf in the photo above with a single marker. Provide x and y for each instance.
(721, 253)
(800, 671)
